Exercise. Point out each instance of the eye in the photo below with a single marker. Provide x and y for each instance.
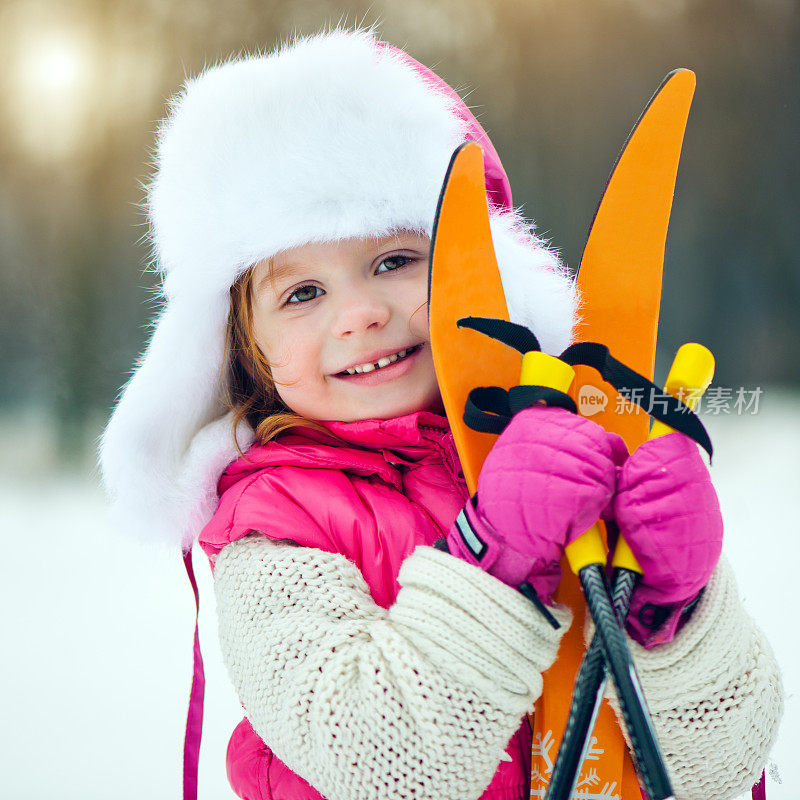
(403, 259)
(303, 290)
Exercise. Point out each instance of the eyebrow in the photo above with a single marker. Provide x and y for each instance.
(281, 271)
(285, 270)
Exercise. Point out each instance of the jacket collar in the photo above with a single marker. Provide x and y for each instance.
(372, 446)
(412, 439)
(410, 432)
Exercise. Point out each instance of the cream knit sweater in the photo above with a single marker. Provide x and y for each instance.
(715, 695)
(420, 700)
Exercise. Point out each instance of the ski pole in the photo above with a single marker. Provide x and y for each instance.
(688, 378)
(587, 559)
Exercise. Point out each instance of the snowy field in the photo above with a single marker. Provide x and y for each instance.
(97, 630)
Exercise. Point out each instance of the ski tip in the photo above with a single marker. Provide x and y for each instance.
(468, 150)
(682, 74)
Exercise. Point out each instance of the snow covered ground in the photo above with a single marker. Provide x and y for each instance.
(97, 630)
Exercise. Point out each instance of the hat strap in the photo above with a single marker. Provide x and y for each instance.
(194, 718)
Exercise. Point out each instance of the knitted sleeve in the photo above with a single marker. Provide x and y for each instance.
(417, 701)
(715, 694)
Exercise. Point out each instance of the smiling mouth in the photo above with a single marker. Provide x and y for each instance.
(382, 364)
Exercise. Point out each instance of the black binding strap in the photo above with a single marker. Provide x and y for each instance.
(489, 409)
(636, 388)
(509, 333)
(520, 397)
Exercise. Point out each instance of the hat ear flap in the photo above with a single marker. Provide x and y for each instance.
(151, 467)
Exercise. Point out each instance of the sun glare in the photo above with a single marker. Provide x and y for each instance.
(51, 93)
(56, 68)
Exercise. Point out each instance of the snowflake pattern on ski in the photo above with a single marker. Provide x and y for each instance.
(588, 787)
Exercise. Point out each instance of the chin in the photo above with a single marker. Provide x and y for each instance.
(434, 405)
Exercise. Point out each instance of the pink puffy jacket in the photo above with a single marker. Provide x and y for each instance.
(375, 493)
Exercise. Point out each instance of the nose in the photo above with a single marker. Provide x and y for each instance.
(360, 312)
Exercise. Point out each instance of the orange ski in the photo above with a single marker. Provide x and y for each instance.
(620, 283)
(620, 272)
(465, 281)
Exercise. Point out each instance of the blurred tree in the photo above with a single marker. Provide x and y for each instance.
(557, 84)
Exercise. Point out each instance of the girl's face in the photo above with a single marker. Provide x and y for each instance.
(357, 303)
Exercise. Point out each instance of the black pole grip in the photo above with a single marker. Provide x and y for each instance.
(644, 745)
(587, 697)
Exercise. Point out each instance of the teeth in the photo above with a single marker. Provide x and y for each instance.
(383, 362)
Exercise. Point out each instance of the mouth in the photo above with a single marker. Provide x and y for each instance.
(387, 369)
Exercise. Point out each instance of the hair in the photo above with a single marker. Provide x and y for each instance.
(250, 388)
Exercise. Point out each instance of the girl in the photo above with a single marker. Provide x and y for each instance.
(286, 413)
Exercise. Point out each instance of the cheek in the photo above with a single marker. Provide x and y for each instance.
(272, 342)
(292, 357)
(279, 355)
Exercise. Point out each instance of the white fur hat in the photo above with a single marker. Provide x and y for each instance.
(333, 136)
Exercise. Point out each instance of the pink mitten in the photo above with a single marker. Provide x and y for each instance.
(549, 477)
(668, 512)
